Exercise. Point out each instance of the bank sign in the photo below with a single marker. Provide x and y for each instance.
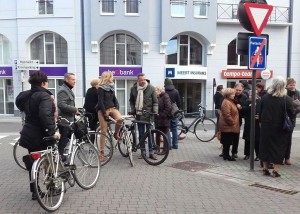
(5, 71)
(186, 72)
(121, 71)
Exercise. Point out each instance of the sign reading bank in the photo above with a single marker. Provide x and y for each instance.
(5, 71)
(121, 71)
(186, 72)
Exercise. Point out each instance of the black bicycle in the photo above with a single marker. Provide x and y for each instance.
(204, 127)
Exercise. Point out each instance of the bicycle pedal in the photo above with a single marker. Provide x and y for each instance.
(70, 166)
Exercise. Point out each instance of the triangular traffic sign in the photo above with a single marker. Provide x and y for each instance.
(258, 15)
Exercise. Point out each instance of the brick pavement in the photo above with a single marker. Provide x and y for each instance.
(223, 187)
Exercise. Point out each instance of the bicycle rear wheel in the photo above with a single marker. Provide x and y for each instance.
(18, 153)
(205, 129)
(156, 149)
(48, 189)
(86, 160)
(108, 148)
(122, 143)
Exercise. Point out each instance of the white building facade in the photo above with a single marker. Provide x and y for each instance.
(190, 41)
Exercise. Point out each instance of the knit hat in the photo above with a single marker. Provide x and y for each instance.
(168, 81)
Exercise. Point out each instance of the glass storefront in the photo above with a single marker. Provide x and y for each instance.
(6, 96)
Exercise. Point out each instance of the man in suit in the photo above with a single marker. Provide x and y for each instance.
(66, 109)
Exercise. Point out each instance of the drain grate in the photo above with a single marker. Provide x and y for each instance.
(192, 166)
(288, 192)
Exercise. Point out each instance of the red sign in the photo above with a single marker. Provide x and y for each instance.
(241, 74)
(258, 15)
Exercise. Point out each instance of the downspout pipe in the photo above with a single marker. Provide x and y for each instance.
(83, 47)
(290, 39)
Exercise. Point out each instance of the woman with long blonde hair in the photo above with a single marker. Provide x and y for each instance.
(108, 105)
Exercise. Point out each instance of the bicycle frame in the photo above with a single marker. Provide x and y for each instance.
(188, 128)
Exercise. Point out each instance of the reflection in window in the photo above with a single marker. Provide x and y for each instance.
(185, 50)
(132, 6)
(201, 8)
(45, 6)
(233, 58)
(120, 49)
(178, 8)
(107, 6)
(49, 48)
(4, 50)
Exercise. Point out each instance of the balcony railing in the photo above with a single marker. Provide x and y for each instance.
(229, 12)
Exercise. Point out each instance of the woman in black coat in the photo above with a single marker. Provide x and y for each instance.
(162, 120)
(39, 121)
(90, 103)
(273, 139)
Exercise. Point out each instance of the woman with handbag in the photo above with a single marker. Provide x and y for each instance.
(273, 138)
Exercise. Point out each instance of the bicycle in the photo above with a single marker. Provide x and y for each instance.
(49, 174)
(153, 141)
(204, 127)
(109, 145)
(18, 153)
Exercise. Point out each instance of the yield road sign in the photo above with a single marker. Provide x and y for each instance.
(258, 15)
(257, 53)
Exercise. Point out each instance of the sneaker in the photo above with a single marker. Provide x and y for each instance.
(174, 147)
(153, 156)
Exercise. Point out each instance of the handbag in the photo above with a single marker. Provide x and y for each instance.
(287, 122)
(174, 110)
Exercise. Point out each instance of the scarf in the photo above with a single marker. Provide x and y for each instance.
(108, 87)
(140, 99)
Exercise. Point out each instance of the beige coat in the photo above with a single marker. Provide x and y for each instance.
(229, 117)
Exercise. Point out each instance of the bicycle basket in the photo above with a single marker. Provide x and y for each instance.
(80, 128)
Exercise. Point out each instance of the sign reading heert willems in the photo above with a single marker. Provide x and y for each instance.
(27, 64)
(121, 71)
(186, 72)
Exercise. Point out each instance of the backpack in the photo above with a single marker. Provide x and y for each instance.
(174, 110)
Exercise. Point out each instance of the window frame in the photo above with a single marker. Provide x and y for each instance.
(126, 46)
(188, 45)
(107, 13)
(137, 5)
(4, 50)
(46, 3)
(44, 45)
(201, 3)
(240, 59)
(183, 3)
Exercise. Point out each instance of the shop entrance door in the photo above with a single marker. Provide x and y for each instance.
(190, 92)
(6, 96)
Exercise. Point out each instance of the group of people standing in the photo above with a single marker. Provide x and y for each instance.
(101, 102)
(272, 142)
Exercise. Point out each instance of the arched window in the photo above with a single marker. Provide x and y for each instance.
(4, 50)
(184, 50)
(120, 49)
(233, 58)
(49, 48)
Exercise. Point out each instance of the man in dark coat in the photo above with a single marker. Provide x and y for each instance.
(66, 109)
(143, 97)
(39, 120)
(240, 100)
(175, 98)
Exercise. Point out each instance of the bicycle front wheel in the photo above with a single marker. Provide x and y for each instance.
(205, 129)
(48, 189)
(122, 143)
(86, 160)
(107, 148)
(155, 147)
(18, 153)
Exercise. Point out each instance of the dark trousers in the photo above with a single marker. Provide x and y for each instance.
(64, 134)
(247, 147)
(227, 139)
(235, 143)
(289, 146)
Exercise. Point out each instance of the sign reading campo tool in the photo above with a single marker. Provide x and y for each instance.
(257, 53)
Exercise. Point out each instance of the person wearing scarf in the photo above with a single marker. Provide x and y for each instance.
(143, 97)
(108, 105)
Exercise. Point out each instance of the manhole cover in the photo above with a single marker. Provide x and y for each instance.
(192, 166)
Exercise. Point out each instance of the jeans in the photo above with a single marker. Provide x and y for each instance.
(142, 128)
(173, 142)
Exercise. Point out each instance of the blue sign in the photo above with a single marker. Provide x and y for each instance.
(170, 72)
(257, 53)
